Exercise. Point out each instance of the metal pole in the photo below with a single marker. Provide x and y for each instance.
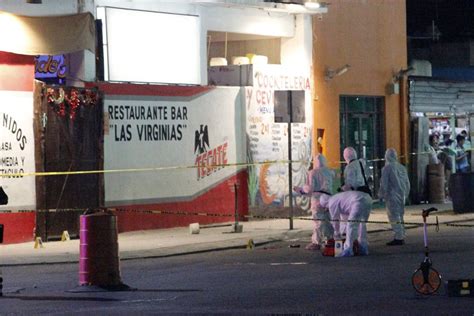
(236, 211)
(290, 171)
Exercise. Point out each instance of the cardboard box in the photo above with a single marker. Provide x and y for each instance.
(233, 75)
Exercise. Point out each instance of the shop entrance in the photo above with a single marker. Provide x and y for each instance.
(70, 133)
(361, 124)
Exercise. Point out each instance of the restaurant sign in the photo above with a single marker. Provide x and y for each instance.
(47, 66)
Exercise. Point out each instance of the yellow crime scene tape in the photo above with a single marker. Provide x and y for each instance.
(62, 173)
(185, 213)
(207, 214)
(150, 169)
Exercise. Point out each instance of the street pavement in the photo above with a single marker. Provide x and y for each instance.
(179, 241)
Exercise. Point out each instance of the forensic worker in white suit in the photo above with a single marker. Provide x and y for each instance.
(353, 177)
(394, 189)
(352, 206)
(320, 182)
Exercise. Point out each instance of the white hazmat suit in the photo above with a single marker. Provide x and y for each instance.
(353, 177)
(352, 206)
(320, 181)
(394, 189)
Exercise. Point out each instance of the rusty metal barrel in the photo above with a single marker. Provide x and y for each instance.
(99, 262)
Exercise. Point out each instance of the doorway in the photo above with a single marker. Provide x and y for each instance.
(70, 133)
(362, 127)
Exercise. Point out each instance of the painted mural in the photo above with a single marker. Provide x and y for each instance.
(267, 139)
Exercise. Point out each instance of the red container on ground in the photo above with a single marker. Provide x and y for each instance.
(99, 262)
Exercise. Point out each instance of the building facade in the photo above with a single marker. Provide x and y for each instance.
(344, 63)
(359, 54)
(57, 114)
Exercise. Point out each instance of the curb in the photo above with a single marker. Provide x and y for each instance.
(197, 248)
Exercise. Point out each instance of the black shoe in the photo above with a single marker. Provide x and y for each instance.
(396, 242)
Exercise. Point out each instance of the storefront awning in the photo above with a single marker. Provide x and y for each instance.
(48, 35)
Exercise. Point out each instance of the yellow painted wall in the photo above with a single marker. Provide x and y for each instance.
(370, 35)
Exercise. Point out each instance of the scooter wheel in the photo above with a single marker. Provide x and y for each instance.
(429, 286)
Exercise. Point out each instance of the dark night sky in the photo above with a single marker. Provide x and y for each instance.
(454, 18)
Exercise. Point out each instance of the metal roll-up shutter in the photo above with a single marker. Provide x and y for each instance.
(435, 95)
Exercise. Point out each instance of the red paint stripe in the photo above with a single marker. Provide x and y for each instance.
(15, 59)
(17, 72)
(149, 89)
(18, 227)
(218, 200)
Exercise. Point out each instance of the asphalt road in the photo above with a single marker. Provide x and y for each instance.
(269, 279)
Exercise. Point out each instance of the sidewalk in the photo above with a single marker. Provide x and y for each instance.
(178, 241)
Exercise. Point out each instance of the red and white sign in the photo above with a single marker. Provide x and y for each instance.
(17, 149)
(171, 148)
